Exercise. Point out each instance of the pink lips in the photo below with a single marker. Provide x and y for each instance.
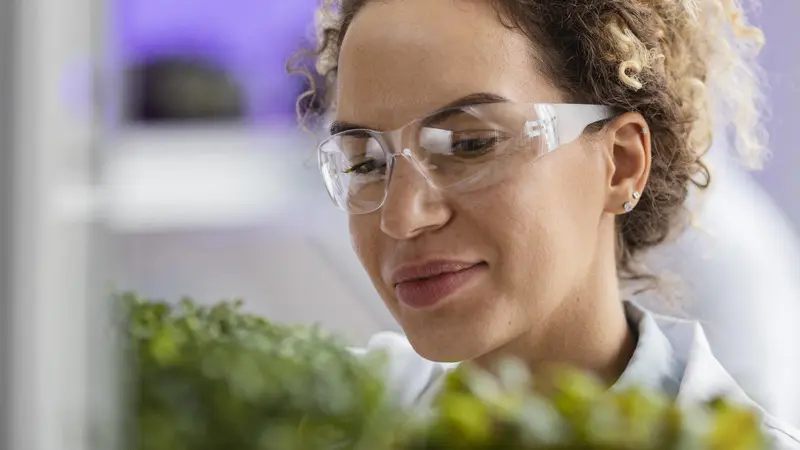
(423, 286)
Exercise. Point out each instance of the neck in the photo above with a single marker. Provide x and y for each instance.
(588, 330)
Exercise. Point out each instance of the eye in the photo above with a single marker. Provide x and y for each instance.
(475, 146)
(367, 167)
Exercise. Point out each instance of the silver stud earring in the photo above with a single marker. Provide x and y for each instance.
(629, 205)
(644, 130)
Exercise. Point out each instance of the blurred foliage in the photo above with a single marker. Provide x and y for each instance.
(217, 378)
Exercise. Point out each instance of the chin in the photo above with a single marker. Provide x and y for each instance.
(444, 353)
(463, 328)
(453, 344)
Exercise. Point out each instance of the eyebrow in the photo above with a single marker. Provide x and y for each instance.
(439, 114)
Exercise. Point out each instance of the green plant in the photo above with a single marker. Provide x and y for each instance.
(478, 411)
(217, 378)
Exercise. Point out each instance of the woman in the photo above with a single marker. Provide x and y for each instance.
(505, 162)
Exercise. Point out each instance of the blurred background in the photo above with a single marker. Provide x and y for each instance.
(222, 197)
(152, 145)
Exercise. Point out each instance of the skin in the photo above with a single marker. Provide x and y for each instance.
(550, 293)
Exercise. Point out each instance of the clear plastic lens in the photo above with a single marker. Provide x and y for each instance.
(354, 168)
(463, 148)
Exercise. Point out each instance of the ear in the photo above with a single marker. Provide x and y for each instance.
(628, 138)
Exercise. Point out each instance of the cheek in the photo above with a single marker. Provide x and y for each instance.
(522, 220)
(543, 223)
(581, 188)
(365, 237)
(575, 199)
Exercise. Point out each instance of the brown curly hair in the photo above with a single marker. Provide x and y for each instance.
(677, 62)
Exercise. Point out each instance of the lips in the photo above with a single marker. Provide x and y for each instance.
(423, 286)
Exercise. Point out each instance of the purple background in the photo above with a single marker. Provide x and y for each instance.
(781, 60)
(253, 39)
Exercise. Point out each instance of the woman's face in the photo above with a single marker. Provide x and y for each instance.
(528, 243)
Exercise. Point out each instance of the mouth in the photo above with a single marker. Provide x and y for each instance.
(426, 286)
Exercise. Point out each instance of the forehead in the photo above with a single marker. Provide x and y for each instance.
(401, 59)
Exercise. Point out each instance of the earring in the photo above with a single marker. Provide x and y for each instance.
(644, 130)
(629, 205)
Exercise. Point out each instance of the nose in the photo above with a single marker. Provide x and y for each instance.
(412, 205)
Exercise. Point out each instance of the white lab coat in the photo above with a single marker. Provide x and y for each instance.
(414, 380)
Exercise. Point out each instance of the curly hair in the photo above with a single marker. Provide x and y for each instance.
(679, 63)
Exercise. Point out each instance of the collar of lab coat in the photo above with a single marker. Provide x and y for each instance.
(704, 378)
(673, 356)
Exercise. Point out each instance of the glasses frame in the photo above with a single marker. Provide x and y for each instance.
(558, 133)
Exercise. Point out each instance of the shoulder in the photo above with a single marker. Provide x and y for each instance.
(705, 378)
(409, 376)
